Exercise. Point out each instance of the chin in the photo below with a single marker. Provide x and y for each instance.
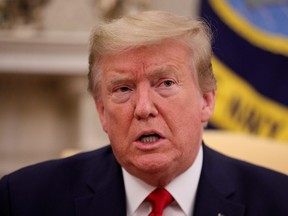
(153, 163)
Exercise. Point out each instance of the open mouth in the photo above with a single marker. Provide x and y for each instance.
(149, 138)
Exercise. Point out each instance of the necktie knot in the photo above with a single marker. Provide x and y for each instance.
(159, 198)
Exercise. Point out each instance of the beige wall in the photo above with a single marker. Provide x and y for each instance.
(44, 106)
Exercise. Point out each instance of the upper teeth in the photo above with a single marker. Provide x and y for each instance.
(149, 139)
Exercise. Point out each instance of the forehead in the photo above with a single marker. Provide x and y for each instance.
(152, 57)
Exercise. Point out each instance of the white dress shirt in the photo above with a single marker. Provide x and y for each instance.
(183, 188)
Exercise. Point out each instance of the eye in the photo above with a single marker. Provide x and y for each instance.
(168, 83)
(123, 89)
(167, 87)
(121, 94)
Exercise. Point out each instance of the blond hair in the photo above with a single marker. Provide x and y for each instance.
(148, 28)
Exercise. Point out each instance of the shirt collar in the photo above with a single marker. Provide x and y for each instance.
(183, 188)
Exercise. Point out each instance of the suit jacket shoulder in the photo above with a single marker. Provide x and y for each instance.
(232, 187)
(79, 185)
(90, 183)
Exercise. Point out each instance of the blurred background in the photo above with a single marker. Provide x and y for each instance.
(45, 108)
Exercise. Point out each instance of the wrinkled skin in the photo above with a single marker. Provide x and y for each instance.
(153, 111)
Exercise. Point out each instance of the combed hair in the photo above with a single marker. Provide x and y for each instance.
(148, 28)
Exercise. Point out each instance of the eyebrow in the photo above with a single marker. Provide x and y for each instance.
(152, 74)
(161, 72)
(118, 80)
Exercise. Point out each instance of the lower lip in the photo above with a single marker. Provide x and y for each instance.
(149, 146)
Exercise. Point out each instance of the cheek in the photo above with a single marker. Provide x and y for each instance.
(185, 120)
(118, 120)
(185, 112)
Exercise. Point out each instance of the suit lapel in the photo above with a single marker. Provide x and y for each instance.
(215, 189)
(105, 192)
(211, 202)
(106, 202)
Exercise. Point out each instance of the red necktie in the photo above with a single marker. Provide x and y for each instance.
(159, 198)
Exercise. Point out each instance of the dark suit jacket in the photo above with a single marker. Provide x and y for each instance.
(92, 184)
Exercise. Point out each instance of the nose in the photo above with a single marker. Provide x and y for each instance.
(144, 104)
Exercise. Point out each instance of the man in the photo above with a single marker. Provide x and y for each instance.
(154, 89)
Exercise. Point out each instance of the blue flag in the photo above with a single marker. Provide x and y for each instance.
(251, 65)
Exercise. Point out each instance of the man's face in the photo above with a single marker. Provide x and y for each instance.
(152, 110)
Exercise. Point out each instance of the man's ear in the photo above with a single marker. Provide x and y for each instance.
(208, 105)
(101, 112)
